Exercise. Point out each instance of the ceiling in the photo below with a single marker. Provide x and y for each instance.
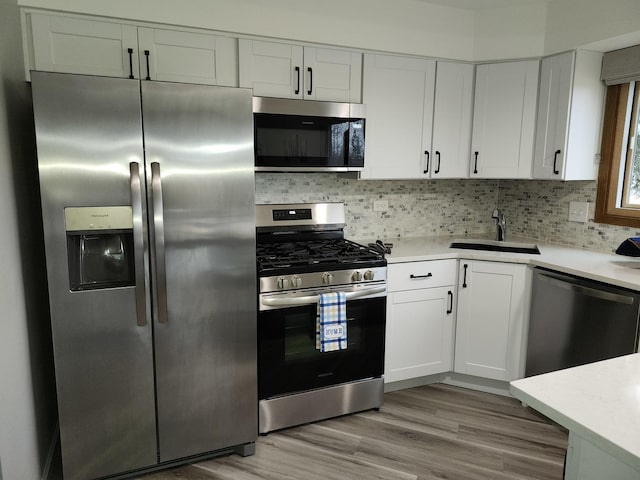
(484, 4)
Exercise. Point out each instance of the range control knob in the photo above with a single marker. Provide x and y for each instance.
(327, 278)
(282, 283)
(368, 275)
(296, 281)
(356, 276)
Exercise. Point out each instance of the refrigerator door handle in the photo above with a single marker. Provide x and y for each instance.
(138, 243)
(157, 225)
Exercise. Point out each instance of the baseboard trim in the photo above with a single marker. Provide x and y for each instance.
(486, 385)
(471, 382)
(52, 450)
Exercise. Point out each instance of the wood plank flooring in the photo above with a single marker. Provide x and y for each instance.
(431, 432)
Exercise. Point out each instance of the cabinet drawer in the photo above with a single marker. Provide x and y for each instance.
(415, 275)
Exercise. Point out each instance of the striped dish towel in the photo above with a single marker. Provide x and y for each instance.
(331, 322)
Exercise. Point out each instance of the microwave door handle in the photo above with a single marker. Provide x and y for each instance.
(347, 145)
(138, 243)
(157, 226)
(310, 299)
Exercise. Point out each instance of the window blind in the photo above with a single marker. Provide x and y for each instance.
(621, 66)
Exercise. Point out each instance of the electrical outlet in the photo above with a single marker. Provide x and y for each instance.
(380, 205)
(578, 211)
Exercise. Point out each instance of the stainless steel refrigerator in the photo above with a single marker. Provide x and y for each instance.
(147, 195)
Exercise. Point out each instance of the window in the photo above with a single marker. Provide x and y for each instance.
(631, 186)
(618, 200)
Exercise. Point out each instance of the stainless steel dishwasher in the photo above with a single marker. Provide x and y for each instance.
(576, 321)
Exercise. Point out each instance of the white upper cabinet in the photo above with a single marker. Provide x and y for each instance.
(283, 70)
(176, 56)
(567, 142)
(100, 47)
(398, 93)
(90, 47)
(504, 116)
(418, 117)
(453, 106)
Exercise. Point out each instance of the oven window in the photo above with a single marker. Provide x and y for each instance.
(288, 360)
(300, 337)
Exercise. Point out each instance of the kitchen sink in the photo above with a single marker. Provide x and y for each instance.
(495, 246)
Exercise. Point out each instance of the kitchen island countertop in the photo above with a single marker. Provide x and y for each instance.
(598, 402)
(609, 268)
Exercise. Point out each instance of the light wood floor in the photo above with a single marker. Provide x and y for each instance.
(431, 432)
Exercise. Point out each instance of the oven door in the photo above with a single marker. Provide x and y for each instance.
(288, 360)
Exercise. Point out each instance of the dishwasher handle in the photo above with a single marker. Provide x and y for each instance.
(568, 284)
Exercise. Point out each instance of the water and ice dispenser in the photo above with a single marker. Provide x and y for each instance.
(100, 247)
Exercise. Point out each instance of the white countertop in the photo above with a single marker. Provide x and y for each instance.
(604, 267)
(600, 402)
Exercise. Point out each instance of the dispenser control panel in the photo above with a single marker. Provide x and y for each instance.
(81, 219)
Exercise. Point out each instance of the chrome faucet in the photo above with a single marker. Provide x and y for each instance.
(501, 223)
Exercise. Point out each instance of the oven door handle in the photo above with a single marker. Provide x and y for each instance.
(293, 301)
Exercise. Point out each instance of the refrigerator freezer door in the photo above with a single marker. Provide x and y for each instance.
(88, 132)
(199, 153)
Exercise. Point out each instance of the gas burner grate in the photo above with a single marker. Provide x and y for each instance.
(336, 252)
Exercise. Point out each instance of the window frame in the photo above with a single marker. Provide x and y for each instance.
(609, 188)
(631, 151)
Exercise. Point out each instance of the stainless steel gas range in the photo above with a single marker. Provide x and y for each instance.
(301, 254)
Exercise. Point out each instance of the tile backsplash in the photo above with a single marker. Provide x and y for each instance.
(416, 207)
(534, 208)
(539, 209)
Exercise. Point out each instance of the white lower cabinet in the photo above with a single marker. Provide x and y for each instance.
(493, 308)
(420, 319)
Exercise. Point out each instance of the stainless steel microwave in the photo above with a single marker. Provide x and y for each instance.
(308, 136)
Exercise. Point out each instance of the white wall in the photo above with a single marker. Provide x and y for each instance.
(407, 26)
(591, 23)
(404, 26)
(27, 392)
(510, 32)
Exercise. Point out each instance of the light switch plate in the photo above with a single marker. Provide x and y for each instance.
(380, 205)
(578, 212)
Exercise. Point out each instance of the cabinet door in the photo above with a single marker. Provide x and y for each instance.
(452, 120)
(419, 337)
(332, 75)
(176, 56)
(90, 47)
(556, 76)
(398, 93)
(504, 120)
(492, 309)
(271, 69)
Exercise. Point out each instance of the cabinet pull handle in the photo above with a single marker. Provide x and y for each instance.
(450, 309)
(555, 160)
(130, 50)
(297, 90)
(475, 163)
(464, 278)
(310, 80)
(426, 170)
(437, 170)
(146, 54)
(421, 276)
